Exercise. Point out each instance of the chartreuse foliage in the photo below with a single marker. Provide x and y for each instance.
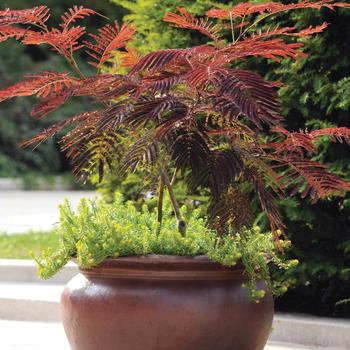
(98, 230)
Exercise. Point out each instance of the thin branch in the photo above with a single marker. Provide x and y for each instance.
(180, 221)
(232, 28)
(173, 177)
(160, 202)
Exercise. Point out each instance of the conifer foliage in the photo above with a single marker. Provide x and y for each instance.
(192, 109)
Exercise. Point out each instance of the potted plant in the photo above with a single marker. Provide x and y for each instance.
(166, 278)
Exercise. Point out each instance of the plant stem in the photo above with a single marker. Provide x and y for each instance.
(180, 221)
(75, 66)
(160, 202)
(232, 29)
(174, 176)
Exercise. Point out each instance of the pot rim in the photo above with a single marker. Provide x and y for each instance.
(164, 267)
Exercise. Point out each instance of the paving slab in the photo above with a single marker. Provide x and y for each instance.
(17, 335)
(22, 211)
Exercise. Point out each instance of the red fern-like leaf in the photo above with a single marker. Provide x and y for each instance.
(144, 150)
(51, 103)
(249, 8)
(73, 14)
(312, 30)
(156, 61)
(289, 31)
(337, 134)
(232, 209)
(146, 111)
(130, 58)
(313, 179)
(186, 20)
(36, 15)
(161, 83)
(7, 32)
(109, 39)
(301, 142)
(54, 129)
(245, 93)
(65, 42)
(189, 149)
(41, 85)
(274, 49)
(294, 143)
(267, 199)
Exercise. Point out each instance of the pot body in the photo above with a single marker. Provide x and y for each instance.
(163, 303)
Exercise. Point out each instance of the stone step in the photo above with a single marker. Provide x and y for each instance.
(43, 336)
(309, 330)
(30, 301)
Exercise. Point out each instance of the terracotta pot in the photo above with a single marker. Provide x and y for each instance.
(163, 303)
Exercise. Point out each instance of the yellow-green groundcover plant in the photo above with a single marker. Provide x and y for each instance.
(98, 230)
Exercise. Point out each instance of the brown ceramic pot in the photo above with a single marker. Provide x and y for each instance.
(163, 303)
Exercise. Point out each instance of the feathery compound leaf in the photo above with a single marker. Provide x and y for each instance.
(41, 85)
(184, 103)
(298, 143)
(337, 134)
(232, 209)
(109, 39)
(274, 49)
(146, 111)
(98, 149)
(225, 168)
(65, 42)
(7, 32)
(89, 148)
(145, 150)
(186, 20)
(54, 129)
(156, 61)
(129, 58)
(51, 103)
(189, 149)
(162, 83)
(249, 8)
(36, 15)
(73, 14)
(268, 203)
(312, 30)
(294, 143)
(313, 179)
(246, 93)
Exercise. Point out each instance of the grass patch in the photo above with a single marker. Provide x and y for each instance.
(19, 246)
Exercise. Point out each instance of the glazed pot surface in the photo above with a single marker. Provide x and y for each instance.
(163, 303)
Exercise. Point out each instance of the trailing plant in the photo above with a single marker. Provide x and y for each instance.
(188, 110)
(98, 230)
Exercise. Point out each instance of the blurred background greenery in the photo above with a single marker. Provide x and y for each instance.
(316, 93)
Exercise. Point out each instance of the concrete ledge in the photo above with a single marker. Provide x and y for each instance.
(30, 301)
(12, 270)
(43, 336)
(309, 330)
(9, 184)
